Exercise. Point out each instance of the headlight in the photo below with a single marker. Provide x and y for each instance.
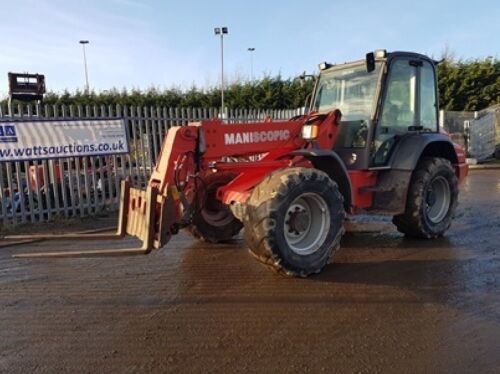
(380, 53)
(324, 65)
(309, 132)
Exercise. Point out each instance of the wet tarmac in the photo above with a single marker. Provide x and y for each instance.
(385, 304)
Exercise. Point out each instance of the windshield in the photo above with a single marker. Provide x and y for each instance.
(350, 89)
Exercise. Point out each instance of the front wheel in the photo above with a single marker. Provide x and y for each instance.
(212, 221)
(432, 200)
(294, 221)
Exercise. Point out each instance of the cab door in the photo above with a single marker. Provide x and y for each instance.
(409, 105)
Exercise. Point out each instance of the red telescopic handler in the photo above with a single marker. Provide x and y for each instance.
(369, 144)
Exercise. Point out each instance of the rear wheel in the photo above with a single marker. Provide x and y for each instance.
(294, 221)
(432, 200)
(213, 221)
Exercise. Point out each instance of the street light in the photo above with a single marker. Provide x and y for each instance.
(251, 50)
(83, 42)
(221, 31)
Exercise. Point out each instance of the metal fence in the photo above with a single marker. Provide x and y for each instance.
(37, 191)
(478, 132)
(454, 123)
(483, 135)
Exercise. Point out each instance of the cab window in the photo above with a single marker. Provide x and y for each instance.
(398, 108)
(409, 104)
(428, 104)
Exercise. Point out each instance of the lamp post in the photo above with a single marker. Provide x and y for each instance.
(83, 42)
(251, 50)
(221, 31)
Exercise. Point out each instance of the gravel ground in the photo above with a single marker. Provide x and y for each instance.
(385, 304)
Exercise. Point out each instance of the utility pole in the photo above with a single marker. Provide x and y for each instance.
(251, 50)
(221, 31)
(83, 42)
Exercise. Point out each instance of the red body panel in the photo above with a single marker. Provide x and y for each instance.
(224, 140)
(179, 142)
(237, 140)
(361, 179)
(229, 147)
(461, 169)
(273, 141)
(240, 188)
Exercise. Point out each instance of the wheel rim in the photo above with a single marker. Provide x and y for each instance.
(307, 223)
(438, 199)
(214, 212)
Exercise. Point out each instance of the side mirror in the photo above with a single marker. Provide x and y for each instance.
(307, 104)
(370, 62)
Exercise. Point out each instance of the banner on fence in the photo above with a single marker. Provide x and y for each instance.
(41, 139)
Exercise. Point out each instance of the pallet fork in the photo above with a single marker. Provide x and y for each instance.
(144, 214)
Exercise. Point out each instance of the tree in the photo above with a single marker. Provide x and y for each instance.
(469, 85)
(464, 85)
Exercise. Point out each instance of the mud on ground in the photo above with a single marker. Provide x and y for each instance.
(385, 304)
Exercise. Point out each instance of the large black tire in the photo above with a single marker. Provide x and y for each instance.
(432, 200)
(286, 206)
(212, 221)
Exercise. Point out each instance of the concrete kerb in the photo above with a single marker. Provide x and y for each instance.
(484, 166)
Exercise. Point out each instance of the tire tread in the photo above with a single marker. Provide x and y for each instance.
(262, 206)
(411, 222)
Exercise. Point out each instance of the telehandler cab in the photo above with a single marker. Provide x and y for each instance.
(370, 143)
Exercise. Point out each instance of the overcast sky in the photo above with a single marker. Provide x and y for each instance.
(169, 43)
